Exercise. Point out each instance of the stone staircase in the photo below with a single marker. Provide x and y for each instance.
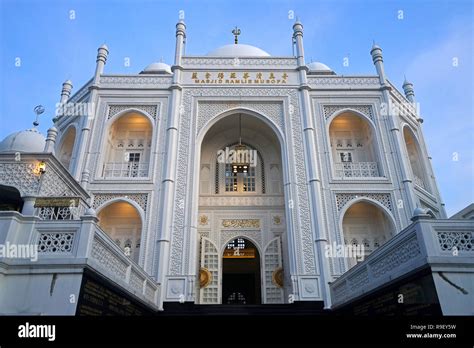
(295, 309)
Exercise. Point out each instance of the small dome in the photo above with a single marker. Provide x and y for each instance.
(157, 68)
(29, 140)
(319, 68)
(419, 211)
(238, 50)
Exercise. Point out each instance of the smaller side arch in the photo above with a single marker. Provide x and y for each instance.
(354, 145)
(416, 158)
(126, 145)
(365, 224)
(65, 151)
(123, 221)
(369, 200)
(126, 200)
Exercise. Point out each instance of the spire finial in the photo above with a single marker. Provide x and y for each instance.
(236, 33)
(39, 109)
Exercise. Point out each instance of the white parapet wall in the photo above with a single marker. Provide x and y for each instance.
(49, 282)
(446, 247)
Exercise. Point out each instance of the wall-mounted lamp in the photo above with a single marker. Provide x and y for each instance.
(41, 169)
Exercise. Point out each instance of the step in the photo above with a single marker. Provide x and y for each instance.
(191, 309)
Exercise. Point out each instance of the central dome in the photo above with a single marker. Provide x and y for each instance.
(238, 50)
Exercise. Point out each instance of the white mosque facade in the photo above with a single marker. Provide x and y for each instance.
(225, 179)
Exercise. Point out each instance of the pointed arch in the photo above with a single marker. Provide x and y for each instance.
(263, 134)
(127, 145)
(354, 147)
(65, 151)
(123, 222)
(415, 158)
(366, 222)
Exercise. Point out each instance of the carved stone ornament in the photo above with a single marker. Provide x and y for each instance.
(203, 220)
(241, 223)
(277, 277)
(205, 277)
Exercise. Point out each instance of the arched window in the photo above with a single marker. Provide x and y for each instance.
(365, 224)
(416, 160)
(66, 148)
(239, 169)
(122, 222)
(128, 147)
(353, 147)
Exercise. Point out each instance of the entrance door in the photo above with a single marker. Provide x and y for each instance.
(241, 273)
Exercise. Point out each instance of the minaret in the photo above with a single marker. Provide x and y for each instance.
(403, 175)
(51, 140)
(314, 182)
(377, 58)
(65, 94)
(66, 91)
(102, 54)
(410, 95)
(180, 42)
(169, 168)
(298, 41)
(83, 156)
(409, 91)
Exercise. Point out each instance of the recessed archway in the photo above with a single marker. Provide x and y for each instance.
(415, 159)
(241, 198)
(353, 147)
(366, 224)
(66, 148)
(122, 222)
(128, 146)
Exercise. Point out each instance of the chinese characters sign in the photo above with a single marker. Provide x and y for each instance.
(240, 78)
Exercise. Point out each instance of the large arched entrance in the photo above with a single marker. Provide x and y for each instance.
(242, 206)
(241, 273)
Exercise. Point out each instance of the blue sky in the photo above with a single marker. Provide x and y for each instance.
(423, 44)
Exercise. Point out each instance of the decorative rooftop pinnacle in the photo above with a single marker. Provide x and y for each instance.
(298, 26)
(236, 32)
(181, 27)
(375, 46)
(39, 109)
(406, 82)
